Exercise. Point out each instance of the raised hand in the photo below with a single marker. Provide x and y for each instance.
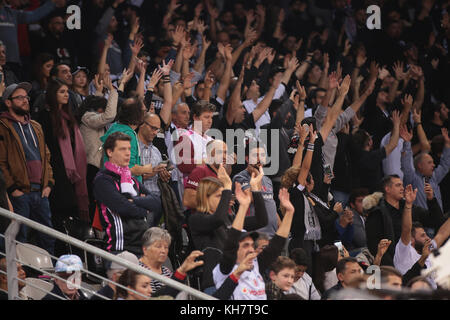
(223, 176)
(154, 79)
(285, 202)
(333, 81)
(166, 67)
(178, 35)
(228, 50)
(398, 70)
(396, 118)
(383, 245)
(108, 83)
(405, 134)
(209, 79)
(98, 83)
(189, 263)
(126, 76)
(417, 115)
(136, 47)
(187, 81)
(244, 197)
(256, 179)
(407, 101)
(301, 90)
(410, 195)
(345, 86)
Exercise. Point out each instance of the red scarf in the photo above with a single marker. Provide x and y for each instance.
(75, 163)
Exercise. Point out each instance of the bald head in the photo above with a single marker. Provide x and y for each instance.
(424, 163)
(149, 128)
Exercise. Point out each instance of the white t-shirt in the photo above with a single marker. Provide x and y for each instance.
(406, 256)
(330, 280)
(305, 288)
(251, 284)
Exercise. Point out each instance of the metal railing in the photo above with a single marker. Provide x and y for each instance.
(11, 259)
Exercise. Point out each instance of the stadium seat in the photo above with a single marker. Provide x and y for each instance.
(36, 289)
(33, 256)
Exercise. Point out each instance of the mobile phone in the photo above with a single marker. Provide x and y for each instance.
(1, 76)
(338, 244)
(426, 179)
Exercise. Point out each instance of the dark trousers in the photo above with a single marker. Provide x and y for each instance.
(33, 206)
(90, 175)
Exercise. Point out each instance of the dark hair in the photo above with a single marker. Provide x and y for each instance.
(128, 278)
(282, 262)
(54, 71)
(274, 106)
(131, 112)
(417, 279)
(202, 106)
(360, 138)
(55, 113)
(387, 181)
(415, 225)
(386, 271)
(342, 264)
(326, 261)
(437, 145)
(299, 256)
(91, 103)
(356, 193)
(40, 60)
(110, 142)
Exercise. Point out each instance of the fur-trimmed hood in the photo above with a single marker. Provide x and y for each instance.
(372, 200)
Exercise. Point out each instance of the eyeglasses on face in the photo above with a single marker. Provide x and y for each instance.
(20, 98)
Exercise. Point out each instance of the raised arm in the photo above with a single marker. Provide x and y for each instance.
(200, 63)
(410, 196)
(335, 110)
(306, 165)
(166, 109)
(102, 61)
(424, 144)
(226, 77)
(264, 104)
(393, 141)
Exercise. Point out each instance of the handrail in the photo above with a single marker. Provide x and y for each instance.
(13, 229)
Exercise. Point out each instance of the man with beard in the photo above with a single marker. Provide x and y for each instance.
(256, 159)
(384, 220)
(25, 162)
(415, 245)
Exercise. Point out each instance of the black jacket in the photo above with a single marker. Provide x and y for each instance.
(57, 291)
(124, 221)
(384, 222)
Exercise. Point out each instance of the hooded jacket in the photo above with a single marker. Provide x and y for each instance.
(13, 161)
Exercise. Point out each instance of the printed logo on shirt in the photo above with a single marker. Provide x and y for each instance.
(192, 183)
(244, 290)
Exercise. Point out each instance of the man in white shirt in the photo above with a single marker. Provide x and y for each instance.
(415, 245)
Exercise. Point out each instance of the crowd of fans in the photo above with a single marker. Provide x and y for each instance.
(124, 126)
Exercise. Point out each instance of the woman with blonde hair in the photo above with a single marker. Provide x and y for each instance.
(209, 224)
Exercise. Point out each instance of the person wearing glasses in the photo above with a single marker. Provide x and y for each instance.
(151, 155)
(25, 162)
